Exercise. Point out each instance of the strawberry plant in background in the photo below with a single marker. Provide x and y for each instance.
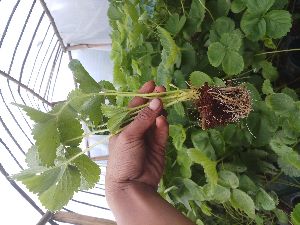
(217, 60)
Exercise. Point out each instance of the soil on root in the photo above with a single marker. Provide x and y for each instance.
(219, 106)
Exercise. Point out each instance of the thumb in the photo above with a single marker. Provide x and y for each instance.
(144, 120)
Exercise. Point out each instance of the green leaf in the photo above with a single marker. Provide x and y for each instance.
(220, 26)
(233, 63)
(288, 160)
(259, 6)
(188, 60)
(174, 24)
(295, 215)
(208, 165)
(170, 49)
(246, 184)
(269, 71)
(195, 17)
(216, 53)
(114, 13)
(228, 179)
(86, 83)
(32, 157)
(281, 216)
(60, 192)
(89, 170)
(179, 109)
(177, 132)
(232, 41)
(221, 194)
(290, 164)
(47, 140)
(70, 131)
(290, 92)
(35, 115)
(217, 141)
(201, 141)
(268, 42)
(55, 186)
(184, 162)
(253, 26)
(242, 201)
(238, 6)
(107, 86)
(280, 103)
(111, 110)
(264, 200)
(279, 23)
(198, 79)
(116, 121)
(267, 88)
(92, 108)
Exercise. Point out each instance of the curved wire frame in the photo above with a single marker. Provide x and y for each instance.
(32, 55)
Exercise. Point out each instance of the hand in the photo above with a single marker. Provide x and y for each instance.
(137, 154)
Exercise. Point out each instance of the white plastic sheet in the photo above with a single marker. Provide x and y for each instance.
(81, 21)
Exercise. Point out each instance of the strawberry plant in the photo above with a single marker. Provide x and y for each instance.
(234, 121)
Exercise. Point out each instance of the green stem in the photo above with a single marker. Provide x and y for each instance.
(279, 51)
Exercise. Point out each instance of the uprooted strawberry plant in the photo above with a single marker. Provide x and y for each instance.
(218, 60)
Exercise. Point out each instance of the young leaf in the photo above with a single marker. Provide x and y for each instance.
(279, 23)
(242, 201)
(198, 79)
(228, 179)
(89, 170)
(86, 83)
(295, 215)
(208, 165)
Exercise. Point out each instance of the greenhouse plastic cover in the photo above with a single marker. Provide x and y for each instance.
(81, 22)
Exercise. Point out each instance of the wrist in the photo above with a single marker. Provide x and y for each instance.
(117, 192)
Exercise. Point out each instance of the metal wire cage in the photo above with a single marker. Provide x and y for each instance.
(33, 65)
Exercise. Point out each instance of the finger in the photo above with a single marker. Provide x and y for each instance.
(159, 89)
(146, 88)
(144, 120)
(161, 133)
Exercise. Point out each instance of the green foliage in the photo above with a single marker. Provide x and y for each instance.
(295, 216)
(215, 176)
(242, 201)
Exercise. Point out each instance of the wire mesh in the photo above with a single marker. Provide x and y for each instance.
(33, 66)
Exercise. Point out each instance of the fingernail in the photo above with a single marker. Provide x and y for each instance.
(154, 104)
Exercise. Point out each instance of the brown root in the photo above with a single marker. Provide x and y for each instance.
(222, 105)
